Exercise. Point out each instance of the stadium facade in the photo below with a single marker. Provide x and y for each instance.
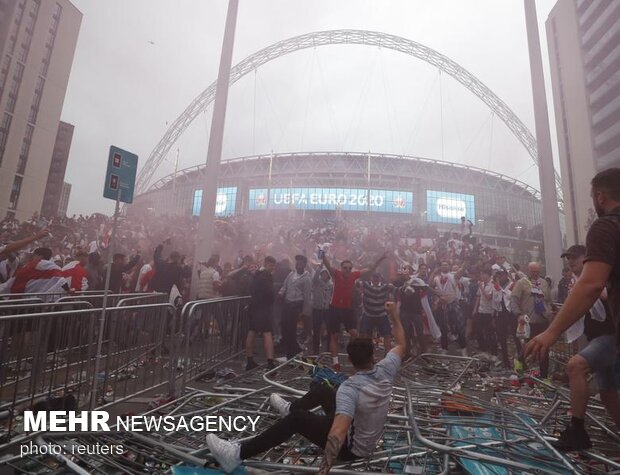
(422, 190)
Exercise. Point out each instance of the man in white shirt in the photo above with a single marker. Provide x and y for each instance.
(209, 282)
(449, 314)
(505, 320)
(483, 315)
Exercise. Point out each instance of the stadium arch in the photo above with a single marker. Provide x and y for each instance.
(350, 37)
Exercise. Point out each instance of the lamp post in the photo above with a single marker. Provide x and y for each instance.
(204, 242)
(518, 229)
(552, 235)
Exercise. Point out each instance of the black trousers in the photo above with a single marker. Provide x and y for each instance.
(485, 333)
(300, 420)
(412, 324)
(290, 314)
(506, 325)
(319, 316)
(449, 318)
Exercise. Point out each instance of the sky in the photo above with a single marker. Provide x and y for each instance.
(139, 63)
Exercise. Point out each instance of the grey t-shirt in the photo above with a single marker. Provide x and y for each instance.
(365, 397)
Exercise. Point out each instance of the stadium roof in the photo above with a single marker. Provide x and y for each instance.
(351, 169)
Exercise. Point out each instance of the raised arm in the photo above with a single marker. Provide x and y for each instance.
(17, 245)
(459, 273)
(233, 273)
(335, 439)
(398, 332)
(372, 268)
(327, 265)
(157, 254)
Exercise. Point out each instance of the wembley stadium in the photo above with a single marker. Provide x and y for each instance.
(422, 190)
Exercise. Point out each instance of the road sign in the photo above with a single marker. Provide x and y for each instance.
(121, 174)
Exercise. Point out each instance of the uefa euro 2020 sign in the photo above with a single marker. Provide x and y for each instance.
(346, 199)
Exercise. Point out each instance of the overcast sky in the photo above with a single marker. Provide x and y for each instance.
(139, 63)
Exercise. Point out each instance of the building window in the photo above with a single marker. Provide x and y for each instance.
(51, 38)
(31, 21)
(36, 101)
(5, 126)
(19, 14)
(15, 191)
(4, 73)
(25, 150)
(18, 74)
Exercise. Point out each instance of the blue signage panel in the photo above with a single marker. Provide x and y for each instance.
(446, 207)
(258, 199)
(120, 175)
(346, 199)
(225, 201)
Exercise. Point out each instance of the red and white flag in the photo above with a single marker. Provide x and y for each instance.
(76, 276)
(36, 278)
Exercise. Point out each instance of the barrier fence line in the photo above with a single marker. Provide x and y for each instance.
(48, 350)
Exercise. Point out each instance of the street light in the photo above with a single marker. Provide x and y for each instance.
(519, 228)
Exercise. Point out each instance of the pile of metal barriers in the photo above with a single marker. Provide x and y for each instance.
(441, 420)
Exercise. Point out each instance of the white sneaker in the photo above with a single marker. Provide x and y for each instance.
(281, 359)
(226, 453)
(280, 404)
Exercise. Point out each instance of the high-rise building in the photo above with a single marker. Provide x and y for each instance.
(63, 203)
(38, 43)
(56, 175)
(584, 52)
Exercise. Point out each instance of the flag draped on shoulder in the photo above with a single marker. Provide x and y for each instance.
(76, 275)
(37, 278)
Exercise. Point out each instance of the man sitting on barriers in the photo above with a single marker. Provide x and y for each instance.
(354, 417)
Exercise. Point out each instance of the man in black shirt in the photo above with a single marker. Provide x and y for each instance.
(601, 265)
(565, 283)
(168, 272)
(261, 313)
(598, 358)
(120, 266)
(410, 298)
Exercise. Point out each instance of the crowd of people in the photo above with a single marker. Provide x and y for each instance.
(449, 287)
(311, 279)
(499, 300)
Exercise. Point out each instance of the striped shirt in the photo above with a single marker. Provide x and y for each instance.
(374, 297)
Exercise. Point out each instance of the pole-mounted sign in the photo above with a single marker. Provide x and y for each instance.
(120, 181)
(121, 175)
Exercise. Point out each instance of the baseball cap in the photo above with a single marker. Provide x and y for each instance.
(575, 251)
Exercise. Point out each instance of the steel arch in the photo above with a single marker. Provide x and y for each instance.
(334, 37)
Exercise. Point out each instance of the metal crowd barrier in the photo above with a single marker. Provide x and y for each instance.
(48, 351)
(49, 358)
(95, 297)
(114, 299)
(210, 331)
